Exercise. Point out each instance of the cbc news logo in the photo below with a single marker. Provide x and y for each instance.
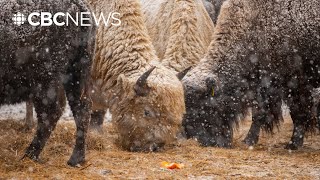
(18, 19)
(66, 19)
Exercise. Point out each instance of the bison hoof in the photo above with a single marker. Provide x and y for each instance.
(291, 146)
(250, 141)
(32, 157)
(75, 162)
(76, 159)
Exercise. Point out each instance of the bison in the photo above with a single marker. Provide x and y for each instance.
(37, 61)
(146, 99)
(186, 32)
(255, 60)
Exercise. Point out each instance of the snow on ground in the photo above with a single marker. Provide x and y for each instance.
(18, 112)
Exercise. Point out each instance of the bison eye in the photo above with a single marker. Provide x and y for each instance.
(147, 113)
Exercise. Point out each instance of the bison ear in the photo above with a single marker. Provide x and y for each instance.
(141, 87)
(181, 74)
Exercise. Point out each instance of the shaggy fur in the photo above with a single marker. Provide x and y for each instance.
(178, 26)
(264, 120)
(260, 48)
(188, 38)
(123, 54)
(36, 61)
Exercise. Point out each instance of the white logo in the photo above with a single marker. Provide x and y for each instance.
(18, 19)
(66, 19)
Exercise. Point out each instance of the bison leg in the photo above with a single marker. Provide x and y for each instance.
(258, 118)
(80, 110)
(298, 116)
(254, 132)
(96, 121)
(300, 111)
(296, 138)
(29, 115)
(77, 93)
(266, 116)
(48, 113)
(80, 107)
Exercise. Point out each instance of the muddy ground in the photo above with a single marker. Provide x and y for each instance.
(106, 161)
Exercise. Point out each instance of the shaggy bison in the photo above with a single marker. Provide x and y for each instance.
(36, 61)
(184, 36)
(255, 60)
(146, 99)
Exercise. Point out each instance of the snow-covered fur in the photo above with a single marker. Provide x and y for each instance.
(180, 30)
(259, 48)
(35, 62)
(147, 114)
(29, 120)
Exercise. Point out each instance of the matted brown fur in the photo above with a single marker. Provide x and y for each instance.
(123, 54)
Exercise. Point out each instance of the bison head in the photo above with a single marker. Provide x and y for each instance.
(149, 109)
(211, 109)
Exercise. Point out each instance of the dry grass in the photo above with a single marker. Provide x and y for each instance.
(105, 161)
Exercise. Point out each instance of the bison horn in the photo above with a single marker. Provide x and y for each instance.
(181, 74)
(141, 87)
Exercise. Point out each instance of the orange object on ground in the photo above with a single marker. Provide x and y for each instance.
(168, 165)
